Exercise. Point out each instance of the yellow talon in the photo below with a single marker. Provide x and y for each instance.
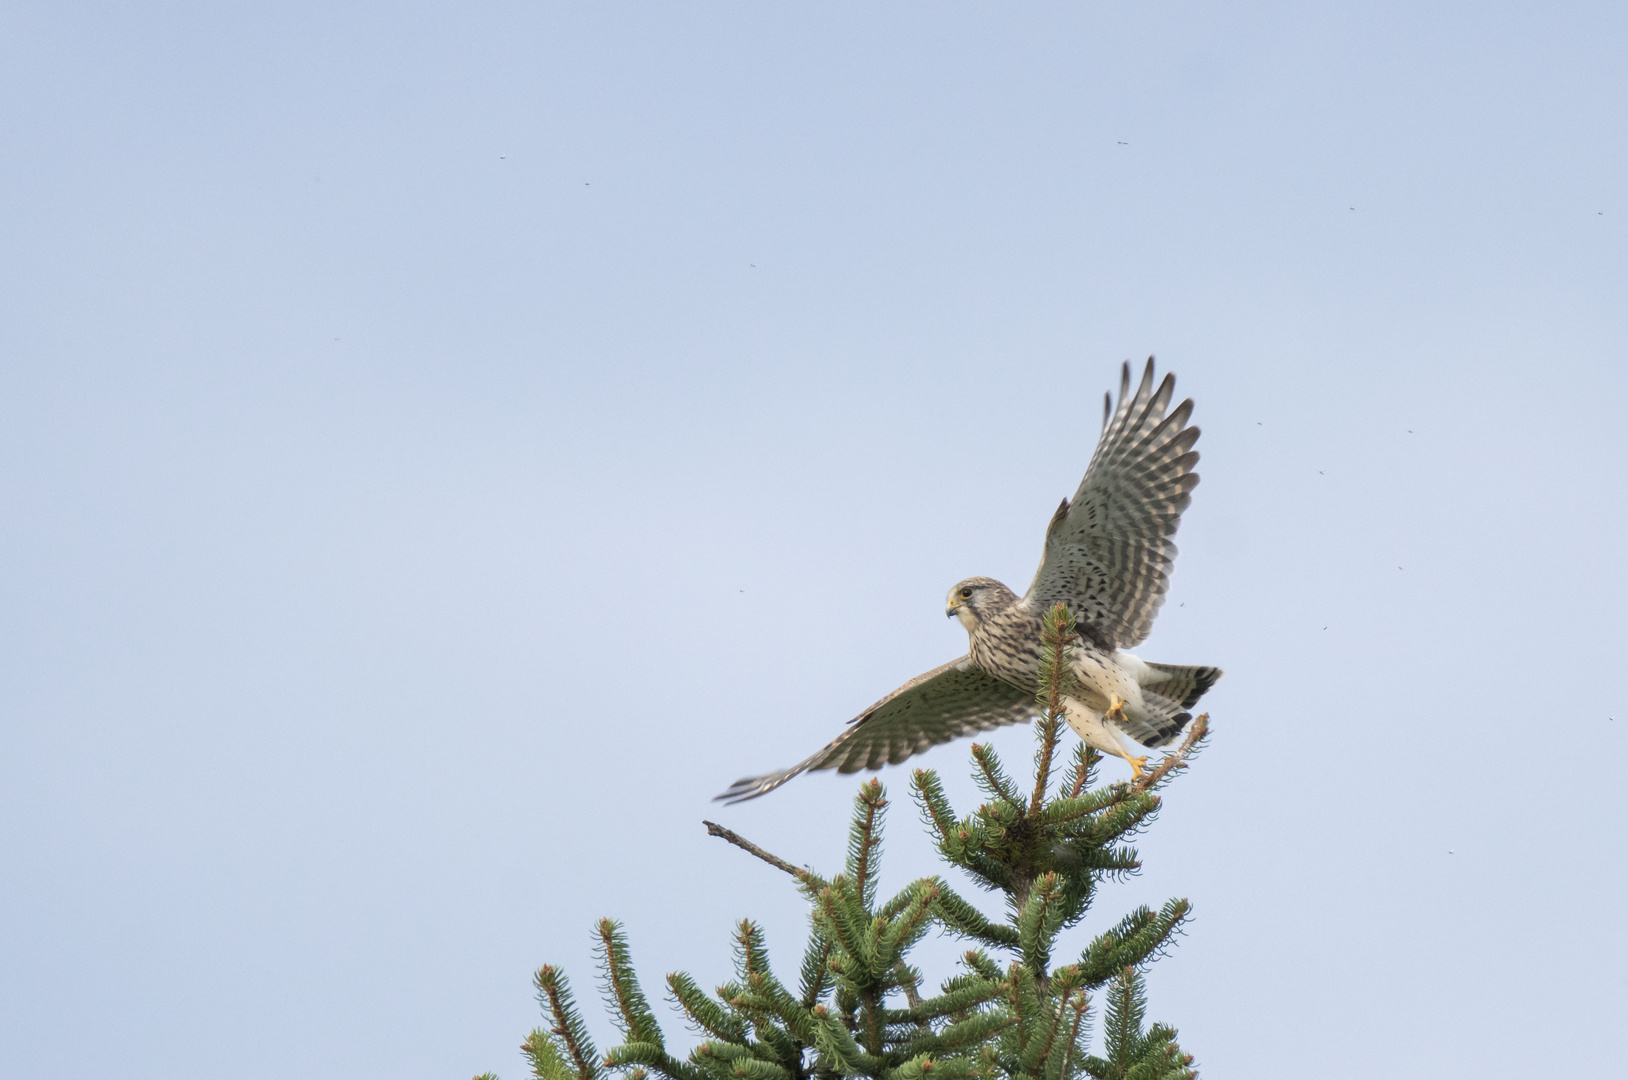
(1116, 706)
(1138, 766)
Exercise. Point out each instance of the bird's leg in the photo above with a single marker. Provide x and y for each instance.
(1116, 712)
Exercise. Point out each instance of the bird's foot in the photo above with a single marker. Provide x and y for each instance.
(1138, 766)
(1116, 708)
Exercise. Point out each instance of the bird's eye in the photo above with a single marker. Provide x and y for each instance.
(966, 594)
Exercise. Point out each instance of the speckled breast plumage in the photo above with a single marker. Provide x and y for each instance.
(1006, 644)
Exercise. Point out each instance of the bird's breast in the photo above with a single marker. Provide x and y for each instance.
(1007, 646)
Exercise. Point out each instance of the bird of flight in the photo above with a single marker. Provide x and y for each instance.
(1107, 556)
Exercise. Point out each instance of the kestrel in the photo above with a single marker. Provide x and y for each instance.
(1107, 556)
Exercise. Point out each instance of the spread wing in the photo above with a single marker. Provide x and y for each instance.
(1108, 551)
(950, 701)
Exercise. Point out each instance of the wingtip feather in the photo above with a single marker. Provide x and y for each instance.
(748, 788)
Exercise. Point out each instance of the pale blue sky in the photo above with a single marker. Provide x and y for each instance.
(443, 446)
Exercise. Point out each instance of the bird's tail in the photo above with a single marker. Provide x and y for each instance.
(1155, 720)
(1181, 684)
(1168, 691)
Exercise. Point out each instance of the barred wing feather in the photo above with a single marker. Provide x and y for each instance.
(1108, 550)
(950, 701)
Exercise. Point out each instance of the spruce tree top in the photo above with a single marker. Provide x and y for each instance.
(1020, 1008)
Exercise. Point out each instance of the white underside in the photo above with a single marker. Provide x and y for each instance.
(1096, 732)
(1102, 678)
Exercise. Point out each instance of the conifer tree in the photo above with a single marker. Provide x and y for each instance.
(857, 1007)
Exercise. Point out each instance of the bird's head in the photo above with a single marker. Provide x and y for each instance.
(971, 600)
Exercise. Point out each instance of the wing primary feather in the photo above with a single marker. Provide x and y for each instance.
(1160, 400)
(1128, 403)
(934, 707)
(1144, 390)
(1145, 387)
(1147, 447)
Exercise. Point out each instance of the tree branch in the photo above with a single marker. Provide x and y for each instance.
(1054, 684)
(714, 829)
(1200, 728)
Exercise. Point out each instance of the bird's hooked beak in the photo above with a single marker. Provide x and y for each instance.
(952, 609)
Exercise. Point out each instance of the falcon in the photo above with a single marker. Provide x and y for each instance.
(1107, 556)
